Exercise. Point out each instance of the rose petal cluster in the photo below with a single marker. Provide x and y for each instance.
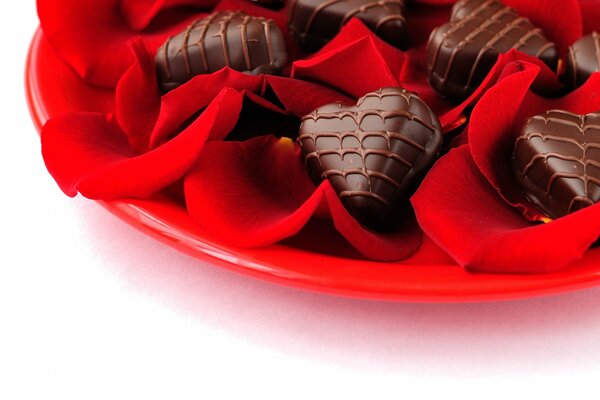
(227, 139)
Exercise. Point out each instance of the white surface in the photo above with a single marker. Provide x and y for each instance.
(92, 309)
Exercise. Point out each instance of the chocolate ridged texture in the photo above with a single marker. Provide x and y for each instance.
(374, 153)
(314, 22)
(462, 52)
(584, 60)
(556, 160)
(242, 42)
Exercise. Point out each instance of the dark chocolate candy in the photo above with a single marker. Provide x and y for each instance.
(242, 42)
(556, 161)
(314, 22)
(374, 153)
(584, 60)
(462, 52)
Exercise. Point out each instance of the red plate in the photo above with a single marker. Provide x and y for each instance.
(429, 276)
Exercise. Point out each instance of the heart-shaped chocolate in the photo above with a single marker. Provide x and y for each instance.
(374, 153)
(557, 161)
(314, 22)
(249, 44)
(462, 52)
(584, 59)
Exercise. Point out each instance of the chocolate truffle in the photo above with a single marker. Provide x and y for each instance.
(584, 60)
(314, 22)
(374, 153)
(556, 161)
(242, 42)
(462, 52)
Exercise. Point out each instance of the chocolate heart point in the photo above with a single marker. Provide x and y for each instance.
(374, 153)
(557, 161)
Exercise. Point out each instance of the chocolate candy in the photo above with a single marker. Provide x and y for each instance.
(584, 60)
(374, 153)
(462, 52)
(242, 42)
(314, 22)
(557, 161)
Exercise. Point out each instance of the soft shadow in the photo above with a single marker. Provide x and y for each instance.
(504, 337)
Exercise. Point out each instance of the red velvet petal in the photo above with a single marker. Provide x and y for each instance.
(91, 36)
(355, 68)
(138, 98)
(139, 13)
(89, 154)
(590, 13)
(559, 20)
(148, 119)
(398, 245)
(257, 192)
(180, 104)
(251, 193)
(301, 97)
(356, 30)
(498, 117)
(459, 210)
(493, 130)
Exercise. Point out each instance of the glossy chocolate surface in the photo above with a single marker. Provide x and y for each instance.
(242, 42)
(584, 60)
(557, 161)
(462, 52)
(374, 153)
(314, 22)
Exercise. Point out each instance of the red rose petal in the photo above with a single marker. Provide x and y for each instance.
(398, 245)
(91, 36)
(590, 13)
(492, 131)
(356, 30)
(182, 103)
(301, 97)
(139, 13)
(89, 154)
(138, 98)
(257, 192)
(251, 193)
(149, 119)
(355, 68)
(462, 213)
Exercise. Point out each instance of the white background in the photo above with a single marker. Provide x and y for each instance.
(92, 309)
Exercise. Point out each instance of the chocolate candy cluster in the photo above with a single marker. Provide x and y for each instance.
(375, 152)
